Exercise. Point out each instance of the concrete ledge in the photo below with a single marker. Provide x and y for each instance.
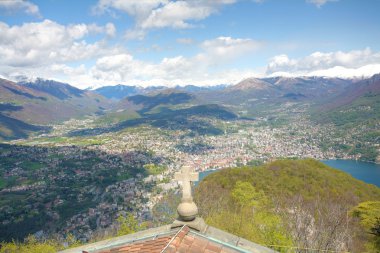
(116, 241)
(253, 247)
(236, 241)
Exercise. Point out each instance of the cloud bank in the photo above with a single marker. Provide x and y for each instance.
(47, 42)
(48, 49)
(156, 14)
(355, 63)
(51, 50)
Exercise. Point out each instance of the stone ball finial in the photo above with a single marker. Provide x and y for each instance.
(187, 211)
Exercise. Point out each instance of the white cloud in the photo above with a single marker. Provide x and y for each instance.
(20, 5)
(49, 50)
(185, 41)
(342, 72)
(135, 34)
(343, 64)
(319, 3)
(176, 14)
(214, 51)
(121, 67)
(226, 48)
(139, 9)
(114, 62)
(281, 63)
(47, 42)
(153, 14)
(109, 29)
(124, 68)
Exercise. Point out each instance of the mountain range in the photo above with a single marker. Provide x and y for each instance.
(120, 91)
(26, 107)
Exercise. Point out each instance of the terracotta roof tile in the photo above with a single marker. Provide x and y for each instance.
(148, 246)
(213, 247)
(183, 241)
(186, 242)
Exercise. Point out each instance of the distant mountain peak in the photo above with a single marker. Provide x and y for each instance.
(251, 83)
(57, 89)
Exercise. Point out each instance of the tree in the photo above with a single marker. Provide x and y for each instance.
(252, 210)
(375, 230)
(31, 245)
(318, 224)
(127, 225)
(245, 195)
(369, 214)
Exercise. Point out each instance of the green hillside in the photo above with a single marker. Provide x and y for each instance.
(356, 113)
(358, 104)
(363, 109)
(168, 98)
(279, 203)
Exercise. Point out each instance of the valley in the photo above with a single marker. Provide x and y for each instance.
(78, 175)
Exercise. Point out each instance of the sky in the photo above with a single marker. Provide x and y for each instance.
(94, 43)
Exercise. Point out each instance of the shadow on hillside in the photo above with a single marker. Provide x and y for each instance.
(11, 128)
(25, 94)
(9, 107)
(59, 90)
(149, 102)
(182, 119)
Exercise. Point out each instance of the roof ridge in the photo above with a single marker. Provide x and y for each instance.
(180, 234)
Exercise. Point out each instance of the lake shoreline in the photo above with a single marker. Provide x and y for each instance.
(368, 172)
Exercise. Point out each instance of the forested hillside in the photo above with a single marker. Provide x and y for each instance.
(291, 203)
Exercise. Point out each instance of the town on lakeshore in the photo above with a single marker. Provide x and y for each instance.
(189, 126)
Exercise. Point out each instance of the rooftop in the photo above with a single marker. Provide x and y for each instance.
(168, 239)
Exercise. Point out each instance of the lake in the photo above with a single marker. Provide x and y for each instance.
(367, 172)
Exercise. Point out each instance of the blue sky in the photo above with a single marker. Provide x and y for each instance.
(201, 42)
